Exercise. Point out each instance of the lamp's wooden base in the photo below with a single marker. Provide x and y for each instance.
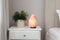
(32, 27)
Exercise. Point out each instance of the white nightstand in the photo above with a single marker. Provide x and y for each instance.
(25, 33)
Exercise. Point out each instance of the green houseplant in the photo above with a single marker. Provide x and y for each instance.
(20, 17)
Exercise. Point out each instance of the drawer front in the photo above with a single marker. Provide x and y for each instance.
(24, 35)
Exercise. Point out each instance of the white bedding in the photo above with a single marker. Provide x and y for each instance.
(53, 34)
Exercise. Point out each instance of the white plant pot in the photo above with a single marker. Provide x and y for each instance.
(20, 23)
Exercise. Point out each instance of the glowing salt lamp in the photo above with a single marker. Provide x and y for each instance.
(33, 21)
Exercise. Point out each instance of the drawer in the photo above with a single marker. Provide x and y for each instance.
(24, 34)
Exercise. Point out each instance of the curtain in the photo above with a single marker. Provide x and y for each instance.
(5, 19)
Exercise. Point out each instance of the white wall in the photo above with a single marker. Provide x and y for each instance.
(50, 8)
(30, 6)
(57, 4)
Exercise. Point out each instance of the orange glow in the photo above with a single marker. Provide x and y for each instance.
(33, 21)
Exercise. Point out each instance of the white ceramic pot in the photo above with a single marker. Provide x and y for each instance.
(20, 23)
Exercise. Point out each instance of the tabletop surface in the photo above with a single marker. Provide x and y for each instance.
(24, 28)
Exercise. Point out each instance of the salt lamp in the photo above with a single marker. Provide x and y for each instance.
(33, 21)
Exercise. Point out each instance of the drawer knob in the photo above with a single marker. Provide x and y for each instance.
(24, 35)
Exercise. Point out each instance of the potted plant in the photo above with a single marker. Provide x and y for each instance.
(20, 18)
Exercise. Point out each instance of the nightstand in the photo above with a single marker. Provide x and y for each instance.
(24, 33)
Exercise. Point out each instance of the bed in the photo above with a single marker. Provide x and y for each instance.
(53, 34)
